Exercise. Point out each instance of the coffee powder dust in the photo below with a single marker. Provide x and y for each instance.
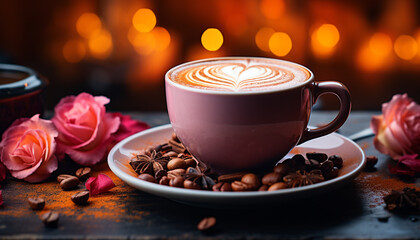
(109, 205)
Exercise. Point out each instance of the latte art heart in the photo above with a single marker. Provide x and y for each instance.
(240, 75)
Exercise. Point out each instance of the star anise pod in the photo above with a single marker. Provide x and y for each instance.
(299, 179)
(152, 164)
(199, 176)
(406, 199)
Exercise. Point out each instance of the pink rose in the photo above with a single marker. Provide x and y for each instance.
(27, 149)
(84, 127)
(398, 128)
(128, 127)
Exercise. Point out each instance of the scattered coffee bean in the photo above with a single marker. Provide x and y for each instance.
(176, 173)
(326, 166)
(263, 188)
(191, 185)
(252, 180)
(231, 177)
(222, 187)
(80, 198)
(83, 173)
(147, 177)
(50, 219)
(159, 174)
(206, 224)
(36, 203)
(311, 164)
(170, 154)
(61, 177)
(190, 162)
(371, 161)
(337, 160)
(239, 186)
(177, 146)
(333, 173)
(69, 183)
(278, 186)
(320, 157)
(175, 137)
(282, 169)
(164, 181)
(176, 163)
(177, 181)
(271, 178)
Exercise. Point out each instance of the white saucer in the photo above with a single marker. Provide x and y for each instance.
(120, 155)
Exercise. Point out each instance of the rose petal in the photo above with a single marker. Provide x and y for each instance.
(2, 171)
(99, 184)
(128, 126)
(411, 161)
(400, 169)
(1, 199)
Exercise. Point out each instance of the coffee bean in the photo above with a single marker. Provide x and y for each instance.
(170, 154)
(231, 177)
(176, 173)
(271, 178)
(263, 188)
(333, 173)
(69, 183)
(320, 157)
(177, 181)
(282, 169)
(311, 164)
(190, 162)
(36, 203)
(175, 137)
(191, 185)
(239, 186)
(159, 174)
(298, 162)
(149, 150)
(222, 187)
(337, 160)
(50, 219)
(252, 180)
(326, 166)
(164, 181)
(61, 177)
(176, 163)
(147, 177)
(80, 198)
(206, 224)
(371, 162)
(83, 173)
(277, 186)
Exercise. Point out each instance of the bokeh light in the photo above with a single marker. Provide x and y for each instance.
(280, 44)
(162, 37)
(100, 44)
(262, 37)
(144, 43)
(272, 9)
(144, 20)
(74, 50)
(158, 40)
(87, 24)
(212, 39)
(406, 47)
(328, 35)
(380, 44)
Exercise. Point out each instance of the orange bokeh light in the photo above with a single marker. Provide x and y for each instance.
(144, 43)
(380, 44)
(74, 50)
(87, 24)
(100, 44)
(324, 40)
(280, 44)
(144, 20)
(262, 37)
(212, 39)
(162, 37)
(406, 47)
(272, 9)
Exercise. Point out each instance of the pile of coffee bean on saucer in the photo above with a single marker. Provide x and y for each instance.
(170, 164)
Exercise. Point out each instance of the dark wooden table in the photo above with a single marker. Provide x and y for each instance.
(353, 211)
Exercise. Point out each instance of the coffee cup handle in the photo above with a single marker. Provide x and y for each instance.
(343, 95)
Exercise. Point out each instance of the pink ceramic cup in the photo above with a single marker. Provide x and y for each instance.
(240, 131)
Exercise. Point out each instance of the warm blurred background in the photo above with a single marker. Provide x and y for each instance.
(122, 49)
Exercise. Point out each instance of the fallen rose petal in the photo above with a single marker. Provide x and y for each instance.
(99, 184)
(411, 161)
(2, 172)
(1, 199)
(127, 126)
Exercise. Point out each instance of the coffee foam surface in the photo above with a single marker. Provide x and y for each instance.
(240, 74)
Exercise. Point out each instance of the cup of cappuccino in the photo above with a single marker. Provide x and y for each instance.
(246, 113)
